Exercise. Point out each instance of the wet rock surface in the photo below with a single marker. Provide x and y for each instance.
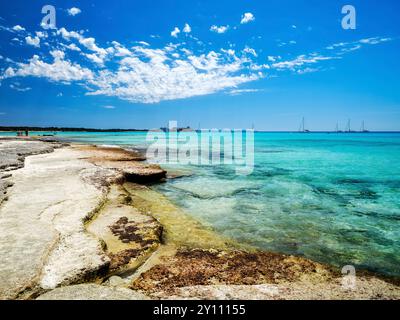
(129, 236)
(210, 267)
(212, 274)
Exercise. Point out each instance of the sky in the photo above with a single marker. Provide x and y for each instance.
(209, 64)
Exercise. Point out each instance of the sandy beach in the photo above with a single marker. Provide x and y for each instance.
(82, 222)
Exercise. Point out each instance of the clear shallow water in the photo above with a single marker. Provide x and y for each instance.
(334, 198)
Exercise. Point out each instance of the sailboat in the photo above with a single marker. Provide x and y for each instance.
(303, 127)
(363, 130)
(337, 128)
(348, 128)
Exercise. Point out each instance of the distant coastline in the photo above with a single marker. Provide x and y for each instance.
(73, 129)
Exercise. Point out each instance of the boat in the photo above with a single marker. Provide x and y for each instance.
(348, 127)
(363, 130)
(303, 127)
(337, 128)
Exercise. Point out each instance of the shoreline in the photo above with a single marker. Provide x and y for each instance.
(135, 243)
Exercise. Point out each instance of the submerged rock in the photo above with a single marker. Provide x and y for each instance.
(129, 236)
(92, 292)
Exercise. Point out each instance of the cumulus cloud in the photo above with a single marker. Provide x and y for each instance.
(187, 28)
(250, 51)
(273, 58)
(60, 70)
(18, 28)
(247, 17)
(151, 76)
(221, 29)
(73, 47)
(142, 74)
(175, 32)
(33, 41)
(74, 11)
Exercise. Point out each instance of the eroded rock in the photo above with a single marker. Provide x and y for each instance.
(209, 267)
(130, 236)
(43, 242)
(92, 292)
(128, 162)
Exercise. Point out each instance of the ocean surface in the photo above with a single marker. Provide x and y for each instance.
(334, 198)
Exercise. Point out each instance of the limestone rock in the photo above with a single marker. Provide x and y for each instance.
(130, 236)
(43, 242)
(92, 292)
(144, 173)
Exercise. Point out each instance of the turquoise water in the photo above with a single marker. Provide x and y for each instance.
(334, 198)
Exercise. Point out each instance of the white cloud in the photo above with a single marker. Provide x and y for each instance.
(236, 92)
(294, 26)
(33, 41)
(143, 43)
(301, 60)
(73, 47)
(88, 43)
(175, 32)
(307, 70)
(41, 34)
(18, 28)
(57, 54)
(60, 70)
(250, 51)
(221, 29)
(273, 58)
(16, 86)
(161, 78)
(142, 74)
(187, 28)
(247, 17)
(108, 107)
(94, 58)
(375, 40)
(74, 11)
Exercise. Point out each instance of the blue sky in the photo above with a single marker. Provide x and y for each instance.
(220, 64)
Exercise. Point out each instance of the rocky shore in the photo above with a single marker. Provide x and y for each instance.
(80, 222)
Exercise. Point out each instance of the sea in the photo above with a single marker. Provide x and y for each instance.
(330, 197)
